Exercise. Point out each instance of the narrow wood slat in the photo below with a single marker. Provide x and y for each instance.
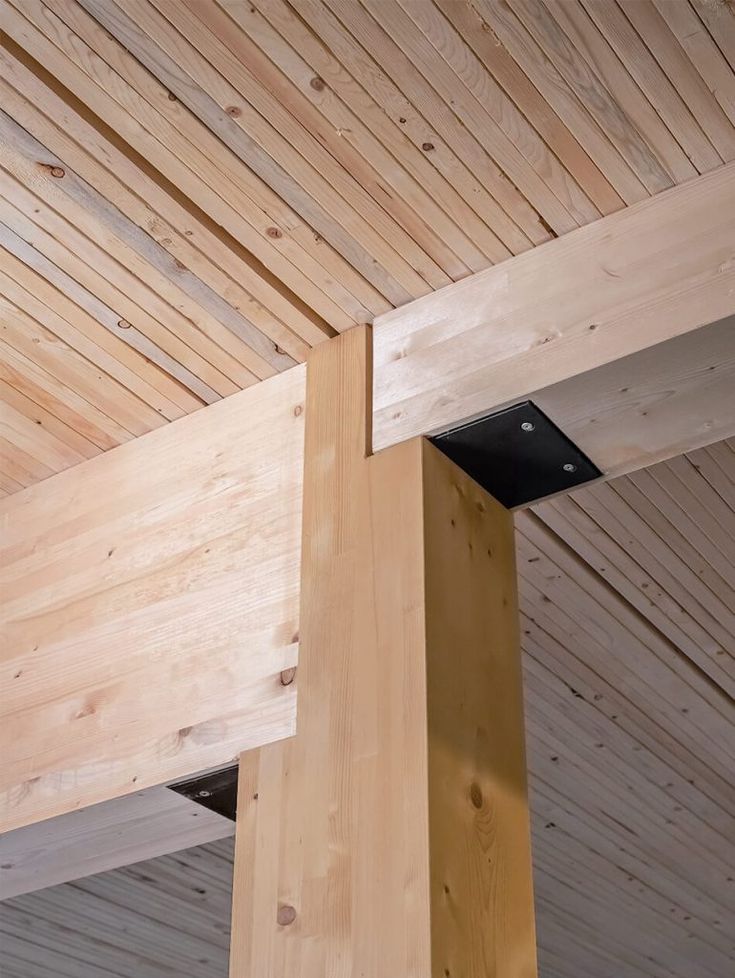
(705, 108)
(702, 708)
(654, 83)
(596, 49)
(702, 51)
(180, 386)
(22, 286)
(530, 102)
(153, 124)
(356, 123)
(581, 666)
(72, 210)
(471, 73)
(21, 467)
(62, 400)
(40, 415)
(475, 115)
(233, 86)
(719, 19)
(608, 558)
(85, 154)
(62, 359)
(547, 78)
(102, 282)
(34, 439)
(516, 222)
(479, 206)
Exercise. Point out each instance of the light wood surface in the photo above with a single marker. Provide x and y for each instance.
(674, 397)
(150, 605)
(193, 194)
(632, 804)
(391, 836)
(651, 273)
(96, 839)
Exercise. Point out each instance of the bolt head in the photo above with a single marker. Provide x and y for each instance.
(570, 467)
(528, 426)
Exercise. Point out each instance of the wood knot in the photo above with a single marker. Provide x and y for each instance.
(298, 410)
(123, 324)
(234, 111)
(172, 97)
(317, 83)
(286, 915)
(427, 147)
(55, 171)
(274, 232)
(288, 676)
(476, 795)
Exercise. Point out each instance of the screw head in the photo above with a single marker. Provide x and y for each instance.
(528, 426)
(569, 467)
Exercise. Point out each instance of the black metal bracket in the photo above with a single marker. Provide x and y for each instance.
(216, 791)
(518, 455)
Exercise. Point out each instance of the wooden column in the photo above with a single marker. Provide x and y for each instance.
(390, 837)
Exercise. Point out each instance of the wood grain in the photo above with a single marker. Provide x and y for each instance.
(208, 190)
(632, 824)
(674, 397)
(390, 836)
(655, 271)
(96, 839)
(150, 604)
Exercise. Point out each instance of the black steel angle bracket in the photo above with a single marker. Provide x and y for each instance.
(518, 455)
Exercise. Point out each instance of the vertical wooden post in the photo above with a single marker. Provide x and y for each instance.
(390, 837)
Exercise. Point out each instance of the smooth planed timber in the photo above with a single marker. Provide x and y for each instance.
(658, 270)
(391, 835)
(150, 606)
(98, 838)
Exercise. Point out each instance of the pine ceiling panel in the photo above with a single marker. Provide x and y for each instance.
(195, 192)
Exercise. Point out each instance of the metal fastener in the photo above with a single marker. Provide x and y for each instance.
(528, 426)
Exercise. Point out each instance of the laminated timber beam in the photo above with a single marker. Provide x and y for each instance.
(149, 606)
(391, 835)
(622, 331)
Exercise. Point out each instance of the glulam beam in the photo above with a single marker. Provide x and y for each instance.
(149, 606)
(565, 323)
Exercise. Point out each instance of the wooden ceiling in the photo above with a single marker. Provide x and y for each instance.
(195, 192)
(628, 598)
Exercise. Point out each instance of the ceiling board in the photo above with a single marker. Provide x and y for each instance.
(194, 194)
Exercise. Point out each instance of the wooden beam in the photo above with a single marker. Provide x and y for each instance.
(390, 836)
(669, 399)
(150, 606)
(115, 833)
(634, 280)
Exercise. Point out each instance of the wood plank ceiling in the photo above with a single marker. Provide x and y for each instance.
(195, 192)
(628, 598)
